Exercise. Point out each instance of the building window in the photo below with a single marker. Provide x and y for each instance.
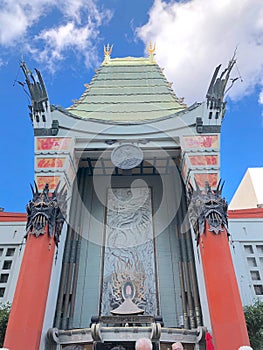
(7, 264)
(255, 275)
(4, 277)
(248, 249)
(1, 251)
(10, 252)
(2, 292)
(258, 289)
(260, 249)
(252, 262)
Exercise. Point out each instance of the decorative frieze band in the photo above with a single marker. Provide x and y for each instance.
(54, 161)
(200, 160)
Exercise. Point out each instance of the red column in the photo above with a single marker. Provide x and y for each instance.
(226, 311)
(28, 308)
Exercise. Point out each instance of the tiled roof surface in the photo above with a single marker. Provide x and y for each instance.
(128, 89)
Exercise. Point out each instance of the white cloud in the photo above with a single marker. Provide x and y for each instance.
(61, 39)
(75, 28)
(16, 17)
(193, 37)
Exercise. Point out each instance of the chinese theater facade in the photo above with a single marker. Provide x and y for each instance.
(127, 229)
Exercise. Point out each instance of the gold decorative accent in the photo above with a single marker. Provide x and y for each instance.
(151, 48)
(108, 49)
(151, 51)
(107, 52)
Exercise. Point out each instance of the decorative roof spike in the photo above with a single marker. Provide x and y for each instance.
(151, 51)
(217, 88)
(107, 52)
(37, 90)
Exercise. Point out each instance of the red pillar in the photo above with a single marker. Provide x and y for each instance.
(226, 311)
(28, 308)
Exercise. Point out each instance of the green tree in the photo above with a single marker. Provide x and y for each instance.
(254, 320)
(4, 315)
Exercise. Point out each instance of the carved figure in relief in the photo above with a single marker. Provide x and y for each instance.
(129, 217)
(44, 210)
(128, 281)
(208, 206)
(129, 270)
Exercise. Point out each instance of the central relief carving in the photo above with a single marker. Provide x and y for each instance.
(129, 258)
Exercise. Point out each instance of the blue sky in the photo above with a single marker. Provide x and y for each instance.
(64, 40)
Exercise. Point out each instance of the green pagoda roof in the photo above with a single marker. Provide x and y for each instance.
(127, 89)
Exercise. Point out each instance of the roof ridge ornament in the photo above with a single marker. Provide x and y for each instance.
(151, 51)
(218, 85)
(40, 107)
(107, 52)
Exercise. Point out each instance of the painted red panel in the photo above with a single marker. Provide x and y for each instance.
(51, 180)
(53, 143)
(50, 162)
(204, 160)
(201, 179)
(205, 141)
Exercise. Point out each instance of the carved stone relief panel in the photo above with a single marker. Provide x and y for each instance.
(129, 250)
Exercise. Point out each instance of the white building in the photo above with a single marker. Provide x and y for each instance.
(12, 231)
(246, 229)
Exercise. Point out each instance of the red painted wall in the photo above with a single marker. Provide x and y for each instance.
(12, 217)
(252, 213)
